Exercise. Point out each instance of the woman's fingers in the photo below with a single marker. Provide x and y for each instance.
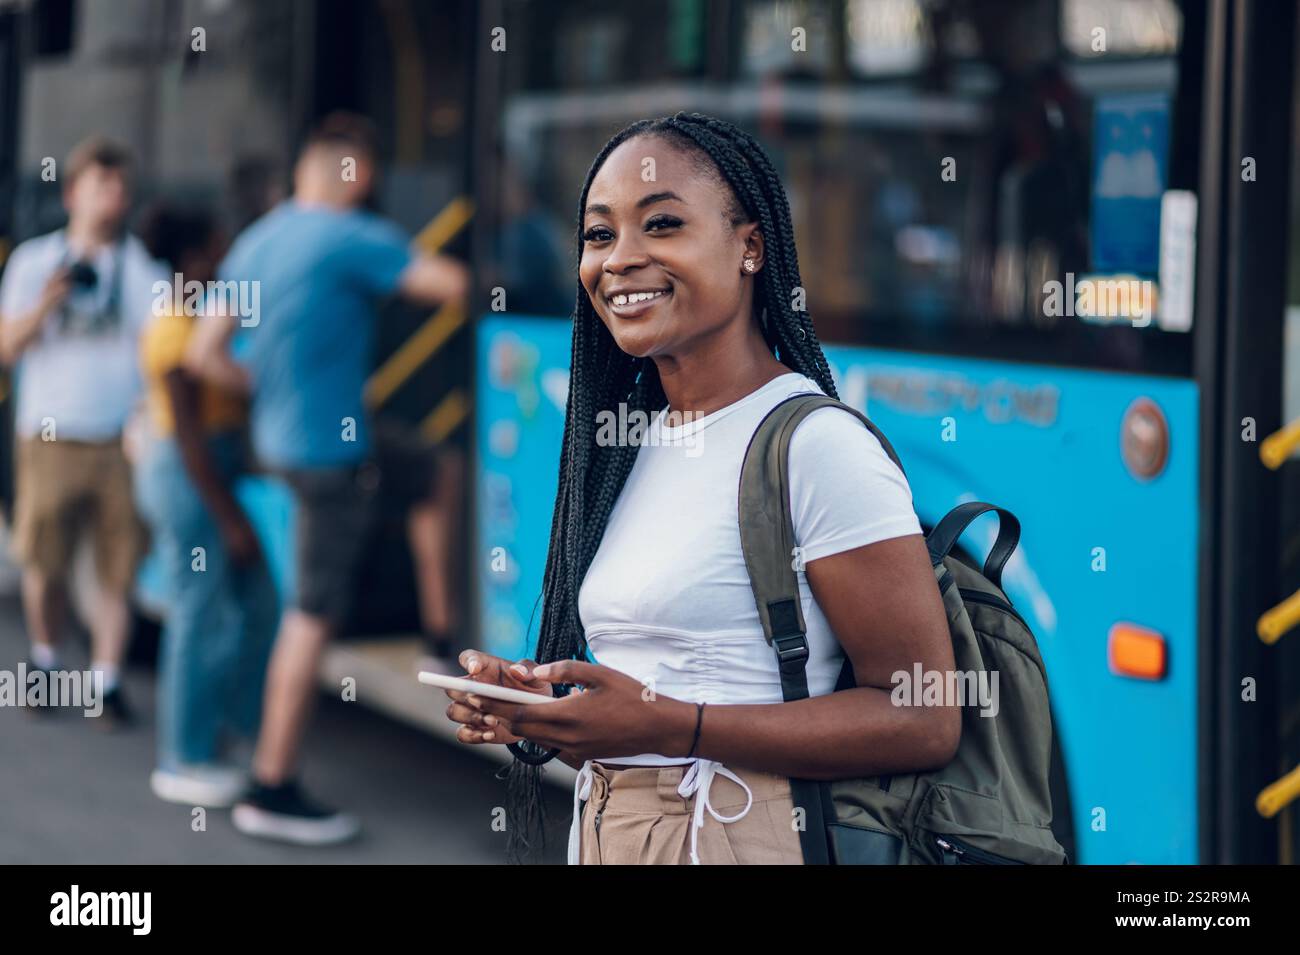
(476, 718)
(466, 734)
(464, 713)
(546, 725)
(571, 671)
(486, 668)
(486, 727)
(486, 704)
(522, 673)
(479, 664)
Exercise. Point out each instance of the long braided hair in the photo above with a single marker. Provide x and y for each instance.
(602, 377)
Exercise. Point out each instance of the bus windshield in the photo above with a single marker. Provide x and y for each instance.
(982, 178)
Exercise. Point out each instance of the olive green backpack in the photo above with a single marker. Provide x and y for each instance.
(991, 804)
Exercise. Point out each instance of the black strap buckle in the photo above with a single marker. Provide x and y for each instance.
(791, 650)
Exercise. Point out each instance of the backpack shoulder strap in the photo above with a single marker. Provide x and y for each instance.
(767, 532)
(767, 541)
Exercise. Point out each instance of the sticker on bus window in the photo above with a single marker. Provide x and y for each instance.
(1130, 153)
(1177, 260)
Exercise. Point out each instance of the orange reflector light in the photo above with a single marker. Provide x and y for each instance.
(1137, 652)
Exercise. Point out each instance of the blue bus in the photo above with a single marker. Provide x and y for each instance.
(1043, 268)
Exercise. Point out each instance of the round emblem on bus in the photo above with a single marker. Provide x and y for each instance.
(1144, 439)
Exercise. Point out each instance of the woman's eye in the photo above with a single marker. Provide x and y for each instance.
(659, 223)
(597, 233)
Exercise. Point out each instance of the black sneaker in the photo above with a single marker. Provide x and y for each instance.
(117, 713)
(283, 812)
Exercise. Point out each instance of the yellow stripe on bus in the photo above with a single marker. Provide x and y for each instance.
(414, 352)
(446, 418)
(1275, 796)
(444, 226)
(1274, 623)
(439, 327)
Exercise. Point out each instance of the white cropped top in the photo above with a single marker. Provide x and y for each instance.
(667, 598)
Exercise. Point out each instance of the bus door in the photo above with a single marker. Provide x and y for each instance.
(1248, 364)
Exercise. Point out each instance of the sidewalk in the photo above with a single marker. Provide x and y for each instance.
(72, 793)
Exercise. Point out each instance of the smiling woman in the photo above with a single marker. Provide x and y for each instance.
(688, 279)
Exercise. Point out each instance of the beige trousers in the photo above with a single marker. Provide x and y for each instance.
(638, 815)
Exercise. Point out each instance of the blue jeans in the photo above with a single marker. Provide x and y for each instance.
(221, 618)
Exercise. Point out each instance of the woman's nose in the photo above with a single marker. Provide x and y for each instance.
(627, 253)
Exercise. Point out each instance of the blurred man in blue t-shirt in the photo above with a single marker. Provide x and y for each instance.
(309, 277)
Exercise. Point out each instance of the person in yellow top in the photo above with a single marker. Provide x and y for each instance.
(221, 602)
(162, 354)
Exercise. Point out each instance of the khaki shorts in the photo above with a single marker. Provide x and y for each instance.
(643, 820)
(65, 488)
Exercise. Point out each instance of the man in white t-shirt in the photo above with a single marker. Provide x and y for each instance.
(72, 306)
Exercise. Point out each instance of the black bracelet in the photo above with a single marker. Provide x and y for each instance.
(699, 722)
(531, 758)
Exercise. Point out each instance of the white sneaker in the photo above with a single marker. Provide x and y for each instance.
(211, 785)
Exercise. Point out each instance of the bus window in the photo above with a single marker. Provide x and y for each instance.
(963, 175)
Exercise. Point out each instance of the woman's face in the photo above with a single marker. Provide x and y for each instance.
(661, 261)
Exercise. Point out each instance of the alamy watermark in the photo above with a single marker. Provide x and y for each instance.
(923, 687)
(238, 299)
(1105, 299)
(633, 427)
(77, 689)
(132, 910)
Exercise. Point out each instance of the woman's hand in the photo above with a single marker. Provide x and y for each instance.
(486, 668)
(613, 715)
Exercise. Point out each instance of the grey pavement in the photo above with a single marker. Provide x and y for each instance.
(72, 793)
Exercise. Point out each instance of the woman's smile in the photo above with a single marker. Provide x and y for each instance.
(629, 302)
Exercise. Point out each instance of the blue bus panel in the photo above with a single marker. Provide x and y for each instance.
(1100, 546)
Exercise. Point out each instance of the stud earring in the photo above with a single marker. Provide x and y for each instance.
(749, 265)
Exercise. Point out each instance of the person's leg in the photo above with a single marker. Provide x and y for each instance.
(42, 539)
(45, 607)
(426, 532)
(275, 806)
(257, 609)
(110, 627)
(196, 578)
(198, 643)
(119, 543)
(291, 687)
(433, 532)
(334, 509)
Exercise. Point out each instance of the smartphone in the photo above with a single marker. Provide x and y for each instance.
(491, 690)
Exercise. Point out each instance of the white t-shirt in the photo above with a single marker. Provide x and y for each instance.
(81, 372)
(667, 599)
